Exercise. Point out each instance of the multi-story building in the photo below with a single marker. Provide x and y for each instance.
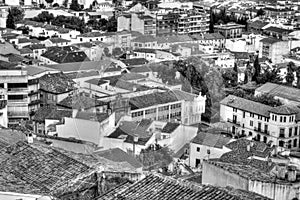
(279, 13)
(167, 24)
(230, 30)
(15, 84)
(275, 125)
(193, 23)
(142, 23)
(168, 106)
(273, 49)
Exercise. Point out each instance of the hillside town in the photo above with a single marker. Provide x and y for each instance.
(149, 100)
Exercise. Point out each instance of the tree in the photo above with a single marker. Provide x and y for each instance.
(257, 69)
(298, 77)
(44, 17)
(100, 24)
(55, 5)
(15, 14)
(269, 75)
(230, 78)
(260, 12)
(49, 1)
(65, 3)
(75, 5)
(289, 77)
(70, 22)
(117, 51)
(106, 52)
(112, 24)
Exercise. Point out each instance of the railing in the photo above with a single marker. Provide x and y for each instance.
(17, 89)
(261, 131)
(18, 100)
(17, 113)
(233, 121)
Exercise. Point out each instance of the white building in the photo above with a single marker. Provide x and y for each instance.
(276, 125)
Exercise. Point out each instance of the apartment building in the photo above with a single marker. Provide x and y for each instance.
(274, 49)
(193, 23)
(167, 24)
(170, 106)
(142, 23)
(275, 125)
(15, 93)
(230, 30)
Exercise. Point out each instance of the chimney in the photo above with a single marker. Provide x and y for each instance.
(248, 147)
(29, 138)
(74, 113)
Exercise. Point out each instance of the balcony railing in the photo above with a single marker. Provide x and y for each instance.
(261, 131)
(234, 121)
(17, 113)
(17, 90)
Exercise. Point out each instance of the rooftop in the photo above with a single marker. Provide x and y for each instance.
(56, 83)
(66, 54)
(81, 66)
(156, 186)
(91, 116)
(246, 105)
(170, 127)
(211, 139)
(79, 102)
(50, 112)
(281, 91)
(270, 40)
(118, 155)
(135, 61)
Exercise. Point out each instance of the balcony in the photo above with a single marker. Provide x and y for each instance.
(233, 121)
(17, 90)
(261, 131)
(17, 114)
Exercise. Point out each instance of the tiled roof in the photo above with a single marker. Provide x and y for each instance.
(29, 170)
(79, 102)
(135, 61)
(145, 50)
(144, 39)
(126, 85)
(246, 105)
(258, 24)
(56, 83)
(174, 39)
(284, 110)
(36, 46)
(92, 116)
(81, 66)
(155, 186)
(33, 70)
(132, 76)
(211, 139)
(118, 155)
(91, 34)
(25, 51)
(155, 98)
(141, 69)
(129, 129)
(65, 55)
(170, 127)
(270, 40)
(282, 91)
(50, 112)
(278, 30)
(58, 40)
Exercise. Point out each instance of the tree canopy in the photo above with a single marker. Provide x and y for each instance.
(44, 17)
(75, 5)
(15, 14)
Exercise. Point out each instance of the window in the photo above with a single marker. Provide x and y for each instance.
(251, 114)
(244, 114)
(296, 131)
(198, 149)
(290, 132)
(234, 110)
(281, 132)
(280, 118)
(284, 119)
(251, 123)
(295, 143)
(275, 118)
(281, 143)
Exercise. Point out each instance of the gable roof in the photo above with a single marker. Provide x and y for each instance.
(246, 105)
(50, 112)
(56, 83)
(81, 66)
(118, 155)
(144, 39)
(66, 54)
(45, 171)
(211, 139)
(79, 102)
(170, 127)
(135, 61)
(282, 91)
(156, 186)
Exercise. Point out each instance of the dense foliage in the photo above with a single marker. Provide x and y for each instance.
(15, 14)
